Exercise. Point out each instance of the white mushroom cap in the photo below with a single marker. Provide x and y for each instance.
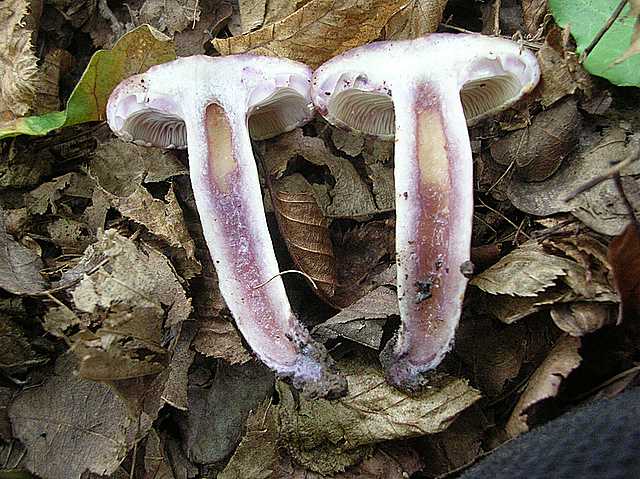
(355, 90)
(150, 108)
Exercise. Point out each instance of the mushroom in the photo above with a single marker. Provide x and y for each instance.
(211, 106)
(421, 90)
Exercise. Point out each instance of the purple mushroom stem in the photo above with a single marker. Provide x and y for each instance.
(213, 106)
(425, 92)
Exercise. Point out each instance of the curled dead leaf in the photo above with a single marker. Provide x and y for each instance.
(545, 382)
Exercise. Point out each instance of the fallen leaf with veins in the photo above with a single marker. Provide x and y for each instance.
(63, 443)
(19, 266)
(362, 321)
(328, 436)
(580, 318)
(417, 18)
(305, 231)
(545, 382)
(134, 53)
(601, 207)
(342, 26)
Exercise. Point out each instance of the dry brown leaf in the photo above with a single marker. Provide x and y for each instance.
(348, 197)
(341, 26)
(252, 14)
(55, 64)
(218, 408)
(18, 68)
(217, 338)
(170, 16)
(580, 318)
(132, 295)
(328, 436)
(305, 230)
(624, 256)
(561, 74)
(545, 382)
(157, 464)
(71, 425)
(526, 271)
(493, 354)
(19, 266)
(601, 207)
(415, 19)
(533, 12)
(539, 149)
(361, 322)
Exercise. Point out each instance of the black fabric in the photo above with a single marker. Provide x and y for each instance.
(600, 440)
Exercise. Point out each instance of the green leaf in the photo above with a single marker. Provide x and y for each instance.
(134, 53)
(585, 18)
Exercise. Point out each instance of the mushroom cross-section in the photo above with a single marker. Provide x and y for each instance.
(213, 106)
(421, 91)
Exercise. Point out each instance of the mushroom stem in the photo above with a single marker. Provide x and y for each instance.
(434, 208)
(227, 191)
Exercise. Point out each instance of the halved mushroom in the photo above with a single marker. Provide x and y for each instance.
(210, 105)
(425, 92)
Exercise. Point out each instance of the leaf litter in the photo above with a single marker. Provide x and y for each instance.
(110, 305)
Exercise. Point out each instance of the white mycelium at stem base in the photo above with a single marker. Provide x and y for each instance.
(210, 105)
(420, 92)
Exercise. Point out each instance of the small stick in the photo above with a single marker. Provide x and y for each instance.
(614, 16)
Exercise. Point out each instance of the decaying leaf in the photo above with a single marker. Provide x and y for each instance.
(580, 318)
(539, 149)
(624, 256)
(252, 14)
(45, 197)
(362, 322)
(344, 194)
(218, 408)
(493, 354)
(132, 294)
(526, 271)
(459, 445)
(257, 454)
(134, 53)
(71, 425)
(561, 74)
(170, 16)
(218, 338)
(328, 436)
(18, 68)
(342, 26)
(545, 382)
(55, 64)
(533, 12)
(538, 275)
(17, 352)
(364, 254)
(305, 230)
(601, 207)
(415, 19)
(19, 266)
(157, 464)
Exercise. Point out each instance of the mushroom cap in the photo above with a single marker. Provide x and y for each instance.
(356, 89)
(272, 94)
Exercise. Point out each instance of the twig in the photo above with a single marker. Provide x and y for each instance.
(309, 278)
(614, 16)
